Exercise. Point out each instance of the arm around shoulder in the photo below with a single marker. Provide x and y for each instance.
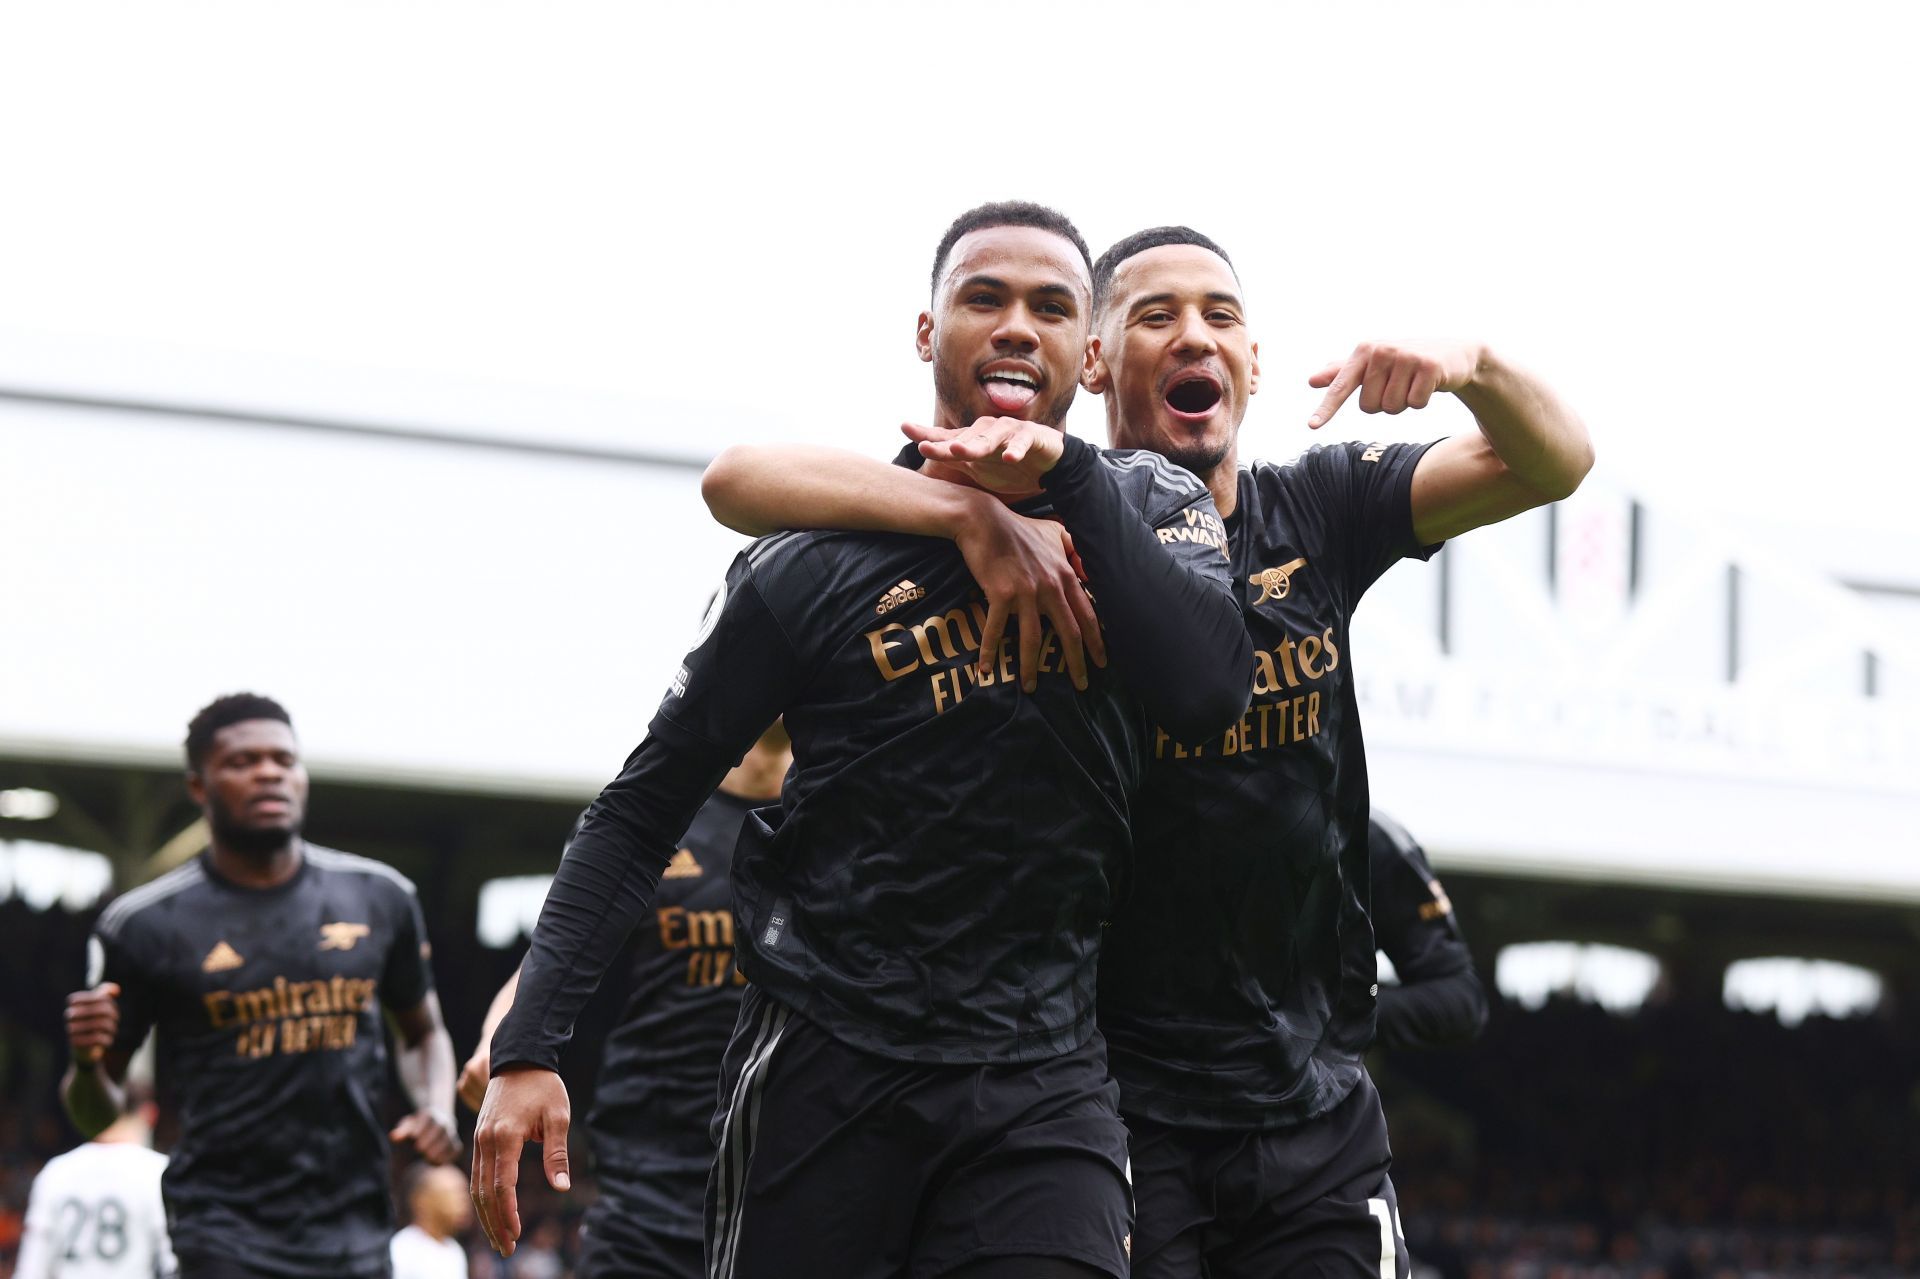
(1173, 626)
(759, 489)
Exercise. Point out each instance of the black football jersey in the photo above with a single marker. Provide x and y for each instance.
(1237, 983)
(933, 884)
(266, 1003)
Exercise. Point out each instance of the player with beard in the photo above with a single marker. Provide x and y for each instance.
(654, 1100)
(915, 1086)
(263, 967)
(1237, 983)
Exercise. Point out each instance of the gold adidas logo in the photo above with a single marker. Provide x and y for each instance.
(682, 866)
(221, 958)
(341, 936)
(905, 593)
(1274, 583)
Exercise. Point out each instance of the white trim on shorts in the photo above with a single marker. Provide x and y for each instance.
(1389, 1229)
(736, 1141)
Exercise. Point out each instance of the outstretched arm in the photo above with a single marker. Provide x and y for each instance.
(759, 489)
(740, 675)
(1531, 448)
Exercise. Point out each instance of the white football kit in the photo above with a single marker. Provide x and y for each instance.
(95, 1213)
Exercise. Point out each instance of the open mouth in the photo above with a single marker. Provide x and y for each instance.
(1010, 387)
(1194, 395)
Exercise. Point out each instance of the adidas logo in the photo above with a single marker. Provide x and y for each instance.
(905, 593)
(221, 958)
(682, 866)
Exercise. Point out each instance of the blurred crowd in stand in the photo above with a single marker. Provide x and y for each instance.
(1679, 1142)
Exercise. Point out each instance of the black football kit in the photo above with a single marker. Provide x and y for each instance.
(1237, 982)
(1439, 999)
(920, 917)
(266, 1005)
(658, 1068)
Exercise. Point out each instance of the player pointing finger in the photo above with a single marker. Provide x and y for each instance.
(1394, 376)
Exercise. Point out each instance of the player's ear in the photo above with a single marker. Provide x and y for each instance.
(1253, 368)
(1096, 377)
(197, 787)
(923, 337)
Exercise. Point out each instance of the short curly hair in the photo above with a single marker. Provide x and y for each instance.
(234, 708)
(1008, 213)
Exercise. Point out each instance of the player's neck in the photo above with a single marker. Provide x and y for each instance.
(257, 870)
(1224, 481)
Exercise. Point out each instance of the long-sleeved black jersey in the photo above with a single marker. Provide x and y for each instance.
(1439, 1000)
(680, 995)
(933, 884)
(1237, 983)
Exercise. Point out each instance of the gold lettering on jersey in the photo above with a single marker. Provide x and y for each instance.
(292, 1016)
(946, 647)
(1202, 527)
(946, 628)
(713, 968)
(680, 928)
(341, 936)
(707, 937)
(1271, 721)
(883, 650)
(1274, 583)
(1373, 452)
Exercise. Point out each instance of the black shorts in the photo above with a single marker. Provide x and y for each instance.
(1310, 1201)
(643, 1226)
(206, 1265)
(835, 1163)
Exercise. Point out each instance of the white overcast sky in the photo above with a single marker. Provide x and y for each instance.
(676, 229)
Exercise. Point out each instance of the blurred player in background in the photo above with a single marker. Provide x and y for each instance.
(263, 967)
(916, 1085)
(95, 1212)
(438, 1209)
(654, 1101)
(1237, 982)
(1438, 1001)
